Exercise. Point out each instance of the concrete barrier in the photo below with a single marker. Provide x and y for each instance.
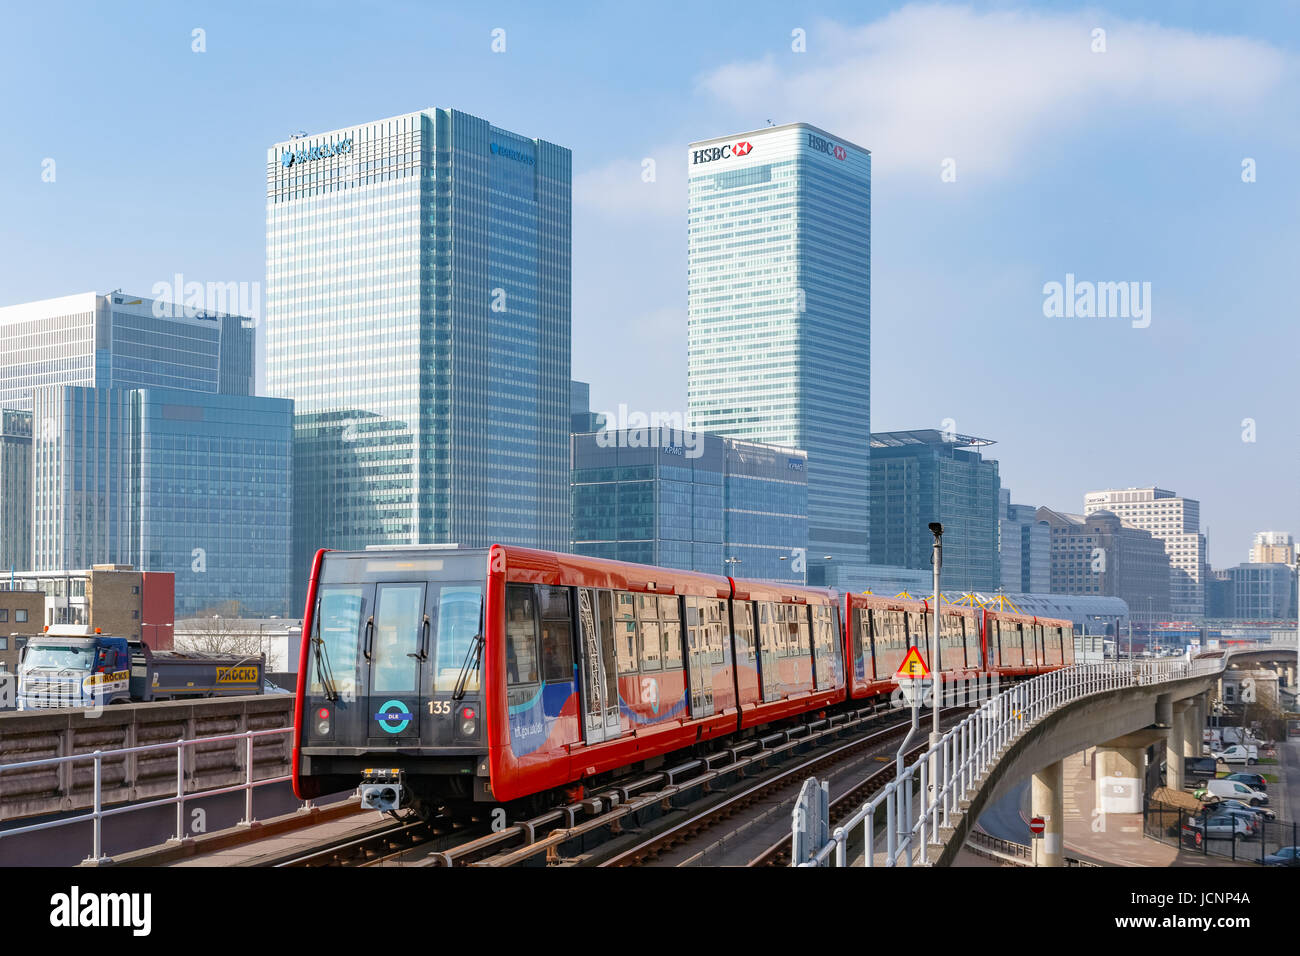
(131, 777)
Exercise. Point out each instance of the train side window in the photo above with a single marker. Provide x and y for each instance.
(671, 632)
(625, 638)
(554, 602)
(717, 630)
(802, 629)
(743, 621)
(647, 613)
(521, 634)
(557, 651)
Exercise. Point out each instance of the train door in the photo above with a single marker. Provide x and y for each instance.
(699, 654)
(600, 716)
(395, 646)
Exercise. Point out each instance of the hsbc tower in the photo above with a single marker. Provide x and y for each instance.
(779, 317)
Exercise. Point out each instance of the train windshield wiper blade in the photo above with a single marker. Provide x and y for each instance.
(323, 668)
(470, 664)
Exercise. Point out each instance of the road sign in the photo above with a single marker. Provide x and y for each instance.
(913, 666)
(1037, 825)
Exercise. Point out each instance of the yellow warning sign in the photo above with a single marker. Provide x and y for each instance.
(913, 666)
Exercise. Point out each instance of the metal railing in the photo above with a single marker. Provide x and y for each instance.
(97, 814)
(962, 757)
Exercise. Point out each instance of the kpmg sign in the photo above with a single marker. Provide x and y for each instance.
(514, 154)
(289, 157)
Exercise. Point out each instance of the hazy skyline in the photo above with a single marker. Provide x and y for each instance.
(1106, 167)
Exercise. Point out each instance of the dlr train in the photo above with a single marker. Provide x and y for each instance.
(435, 676)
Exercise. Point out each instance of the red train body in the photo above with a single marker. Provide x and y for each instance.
(492, 675)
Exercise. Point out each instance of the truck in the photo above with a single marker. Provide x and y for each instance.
(62, 669)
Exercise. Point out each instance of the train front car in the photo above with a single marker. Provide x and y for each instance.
(389, 696)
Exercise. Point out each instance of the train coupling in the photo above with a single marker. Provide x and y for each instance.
(383, 790)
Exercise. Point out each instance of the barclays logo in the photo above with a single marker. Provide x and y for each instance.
(289, 157)
(514, 154)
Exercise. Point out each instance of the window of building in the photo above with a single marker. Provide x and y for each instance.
(20, 615)
(4, 614)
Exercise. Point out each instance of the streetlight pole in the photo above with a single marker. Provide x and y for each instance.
(936, 681)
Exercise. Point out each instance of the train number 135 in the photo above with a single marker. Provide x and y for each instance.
(440, 708)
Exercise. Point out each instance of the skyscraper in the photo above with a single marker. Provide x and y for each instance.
(1175, 521)
(418, 313)
(779, 316)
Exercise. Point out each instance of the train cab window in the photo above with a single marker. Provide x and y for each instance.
(460, 619)
(670, 627)
(521, 635)
(398, 629)
(338, 628)
(625, 637)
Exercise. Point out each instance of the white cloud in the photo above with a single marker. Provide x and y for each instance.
(619, 188)
(930, 82)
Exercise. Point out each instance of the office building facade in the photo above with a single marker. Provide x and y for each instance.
(779, 316)
(418, 314)
(1273, 547)
(1174, 520)
(15, 489)
(111, 341)
(167, 480)
(1263, 591)
(721, 506)
(929, 475)
(1025, 547)
(1099, 555)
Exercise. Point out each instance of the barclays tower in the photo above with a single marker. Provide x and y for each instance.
(418, 313)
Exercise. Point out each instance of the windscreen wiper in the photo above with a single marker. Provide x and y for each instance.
(323, 668)
(470, 665)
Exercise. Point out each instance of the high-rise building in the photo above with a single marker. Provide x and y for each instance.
(1273, 547)
(709, 504)
(85, 364)
(167, 480)
(1098, 554)
(418, 314)
(779, 316)
(1025, 546)
(121, 341)
(929, 475)
(15, 489)
(1175, 521)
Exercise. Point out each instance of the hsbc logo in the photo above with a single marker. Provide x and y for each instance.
(826, 146)
(721, 152)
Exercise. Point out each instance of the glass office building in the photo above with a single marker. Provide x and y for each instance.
(15, 489)
(167, 480)
(115, 340)
(930, 475)
(418, 314)
(779, 328)
(704, 504)
(121, 341)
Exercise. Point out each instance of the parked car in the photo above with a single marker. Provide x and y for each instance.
(269, 688)
(1223, 826)
(1287, 856)
(1239, 753)
(1226, 789)
(1255, 781)
(1247, 816)
(1263, 812)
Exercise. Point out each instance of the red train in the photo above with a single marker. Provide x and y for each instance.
(431, 675)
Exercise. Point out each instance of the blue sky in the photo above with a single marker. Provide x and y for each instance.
(1123, 165)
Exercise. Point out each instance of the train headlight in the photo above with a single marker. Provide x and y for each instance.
(468, 721)
(323, 721)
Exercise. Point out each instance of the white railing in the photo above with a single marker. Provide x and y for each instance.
(97, 813)
(969, 750)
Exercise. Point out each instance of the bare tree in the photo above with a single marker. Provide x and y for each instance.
(219, 630)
